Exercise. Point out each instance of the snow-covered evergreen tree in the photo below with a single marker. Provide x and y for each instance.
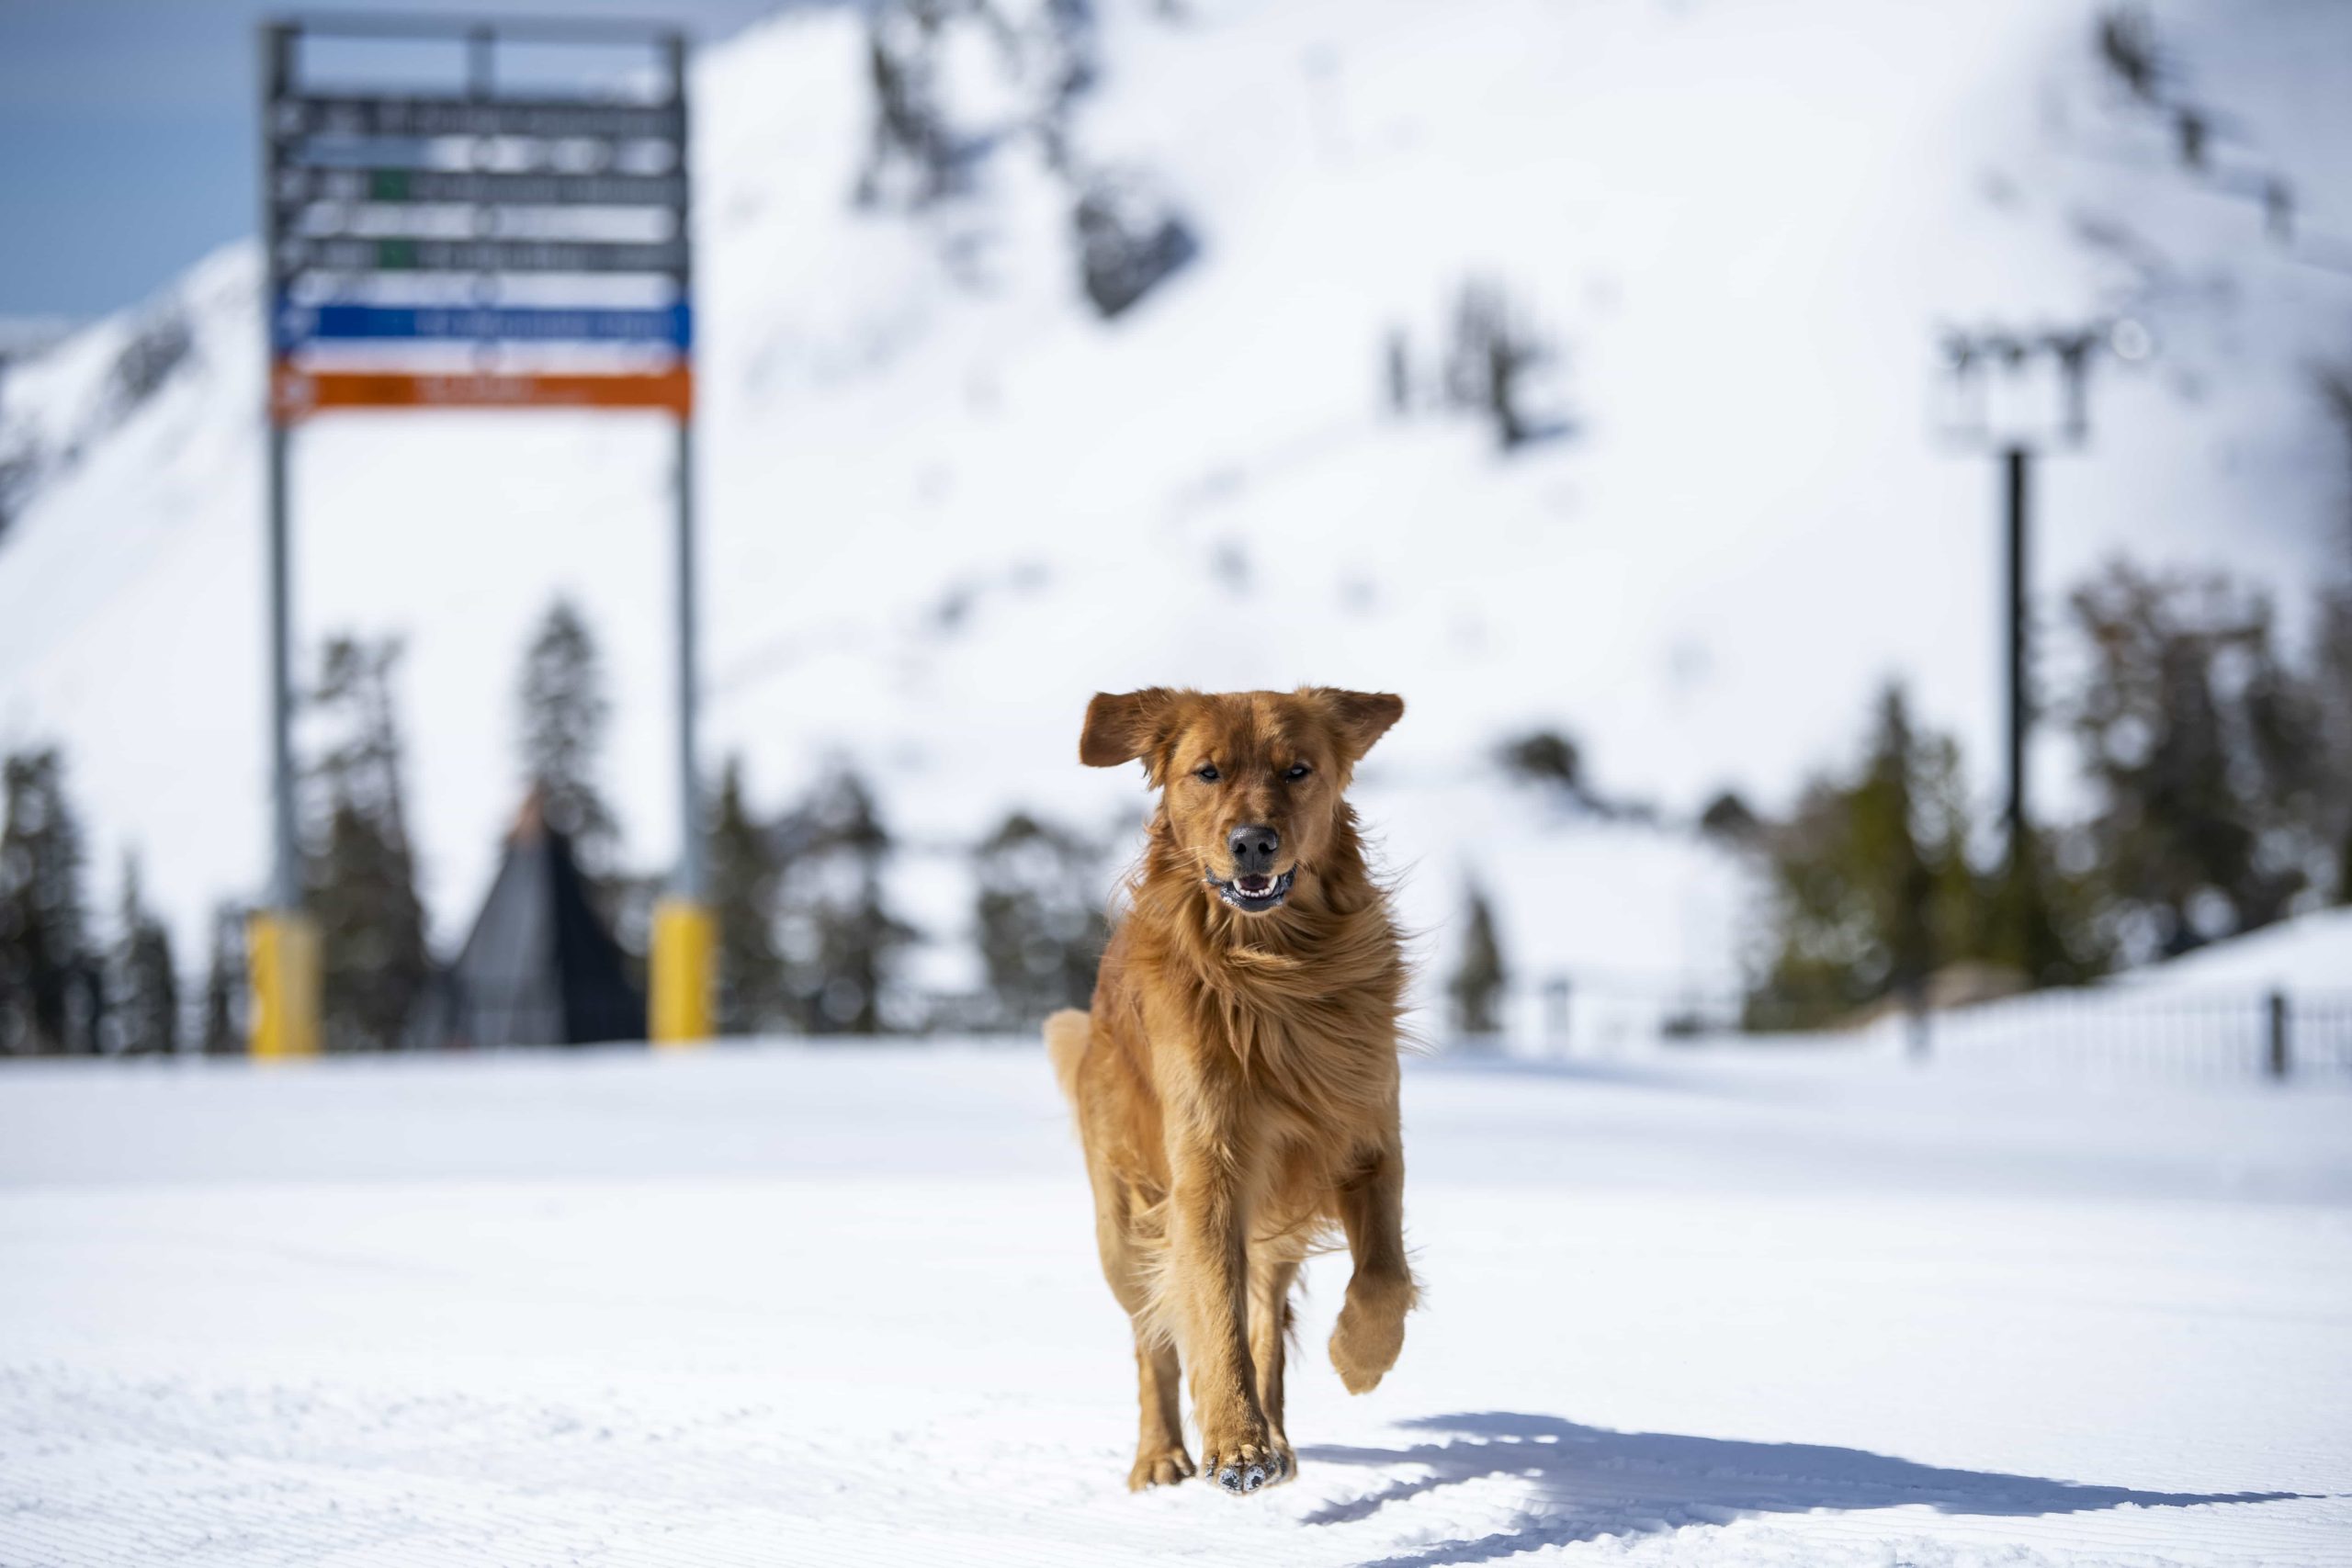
(223, 1023)
(1871, 887)
(2332, 656)
(362, 868)
(1039, 917)
(840, 942)
(1479, 975)
(564, 711)
(48, 985)
(143, 1012)
(2204, 743)
(745, 871)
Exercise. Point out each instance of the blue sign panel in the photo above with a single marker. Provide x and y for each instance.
(298, 324)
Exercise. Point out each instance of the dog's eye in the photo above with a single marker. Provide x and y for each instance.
(1206, 773)
(1297, 771)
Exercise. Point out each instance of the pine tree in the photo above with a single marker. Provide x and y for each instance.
(50, 997)
(904, 39)
(2332, 683)
(1729, 820)
(1479, 979)
(1553, 762)
(564, 712)
(1040, 920)
(1871, 887)
(224, 985)
(1397, 372)
(362, 870)
(1547, 757)
(2332, 662)
(144, 1015)
(745, 870)
(1888, 817)
(2124, 38)
(1490, 359)
(841, 942)
(2206, 751)
(2038, 921)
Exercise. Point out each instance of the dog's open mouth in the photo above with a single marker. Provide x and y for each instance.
(1256, 893)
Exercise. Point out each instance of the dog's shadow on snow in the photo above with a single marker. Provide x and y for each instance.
(1585, 1483)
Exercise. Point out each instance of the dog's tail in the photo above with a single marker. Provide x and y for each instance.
(1066, 1038)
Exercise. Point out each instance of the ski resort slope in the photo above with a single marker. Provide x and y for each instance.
(942, 502)
(790, 1306)
(2311, 952)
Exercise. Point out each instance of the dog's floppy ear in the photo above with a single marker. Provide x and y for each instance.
(1362, 717)
(1122, 725)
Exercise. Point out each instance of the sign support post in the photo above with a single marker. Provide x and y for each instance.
(685, 930)
(282, 941)
(685, 933)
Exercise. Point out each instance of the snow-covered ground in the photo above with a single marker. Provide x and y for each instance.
(784, 1305)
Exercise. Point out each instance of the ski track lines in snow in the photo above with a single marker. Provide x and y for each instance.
(792, 1306)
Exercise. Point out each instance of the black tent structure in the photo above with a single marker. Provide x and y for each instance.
(541, 969)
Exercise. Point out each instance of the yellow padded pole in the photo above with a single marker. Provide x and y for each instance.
(282, 962)
(686, 964)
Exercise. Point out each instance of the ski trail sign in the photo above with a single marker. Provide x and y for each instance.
(489, 244)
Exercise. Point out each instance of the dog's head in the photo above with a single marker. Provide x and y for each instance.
(1253, 783)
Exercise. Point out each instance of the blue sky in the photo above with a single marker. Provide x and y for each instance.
(130, 136)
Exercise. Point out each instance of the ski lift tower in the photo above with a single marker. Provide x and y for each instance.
(2019, 393)
(492, 243)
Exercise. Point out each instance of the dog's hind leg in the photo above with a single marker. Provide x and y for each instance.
(1160, 1459)
(1269, 1328)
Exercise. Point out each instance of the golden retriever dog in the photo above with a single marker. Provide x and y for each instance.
(1234, 1084)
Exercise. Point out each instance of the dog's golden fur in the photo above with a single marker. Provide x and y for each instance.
(1234, 1084)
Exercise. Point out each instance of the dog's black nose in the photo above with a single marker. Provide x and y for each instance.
(1253, 848)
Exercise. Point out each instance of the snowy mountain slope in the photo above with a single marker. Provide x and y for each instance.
(945, 503)
(2313, 952)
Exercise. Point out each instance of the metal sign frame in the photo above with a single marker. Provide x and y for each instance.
(359, 188)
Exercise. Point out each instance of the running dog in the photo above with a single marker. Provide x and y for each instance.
(1234, 1084)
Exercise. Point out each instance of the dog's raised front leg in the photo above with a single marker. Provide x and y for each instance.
(1371, 1330)
(1209, 1236)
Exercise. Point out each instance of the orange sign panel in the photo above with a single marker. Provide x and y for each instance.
(296, 393)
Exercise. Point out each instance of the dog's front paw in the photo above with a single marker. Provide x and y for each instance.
(1243, 1460)
(1371, 1332)
(1159, 1467)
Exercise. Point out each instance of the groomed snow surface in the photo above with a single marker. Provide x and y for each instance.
(782, 1306)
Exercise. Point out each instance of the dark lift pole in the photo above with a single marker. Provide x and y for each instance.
(2017, 463)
